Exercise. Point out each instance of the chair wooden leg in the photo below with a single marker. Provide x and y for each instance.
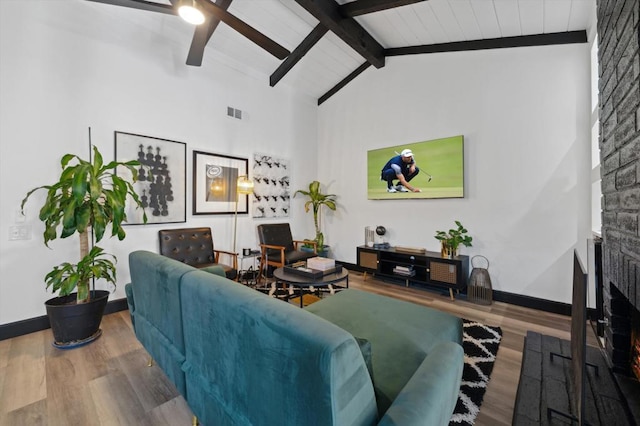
(260, 273)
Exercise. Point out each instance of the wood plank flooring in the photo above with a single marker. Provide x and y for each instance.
(108, 382)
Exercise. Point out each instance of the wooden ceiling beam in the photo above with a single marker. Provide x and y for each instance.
(548, 39)
(362, 7)
(141, 5)
(202, 35)
(350, 31)
(297, 54)
(245, 29)
(343, 83)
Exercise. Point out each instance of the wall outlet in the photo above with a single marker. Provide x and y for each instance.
(20, 217)
(19, 232)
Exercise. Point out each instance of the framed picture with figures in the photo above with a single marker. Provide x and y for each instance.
(162, 177)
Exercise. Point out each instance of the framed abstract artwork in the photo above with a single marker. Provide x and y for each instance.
(162, 177)
(215, 178)
(271, 190)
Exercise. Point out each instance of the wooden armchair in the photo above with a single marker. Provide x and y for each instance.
(278, 248)
(194, 246)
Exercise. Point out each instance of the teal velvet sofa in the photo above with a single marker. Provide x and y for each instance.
(240, 357)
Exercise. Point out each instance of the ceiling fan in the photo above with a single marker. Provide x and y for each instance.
(213, 14)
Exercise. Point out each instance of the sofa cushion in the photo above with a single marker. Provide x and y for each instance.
(390, 324)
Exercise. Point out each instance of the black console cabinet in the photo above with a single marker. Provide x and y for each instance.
(428, 268)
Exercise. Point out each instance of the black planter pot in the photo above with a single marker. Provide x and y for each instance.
(75, 325)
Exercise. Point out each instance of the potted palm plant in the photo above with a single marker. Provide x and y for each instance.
(315, 202)
(87, 199)
(452, 239)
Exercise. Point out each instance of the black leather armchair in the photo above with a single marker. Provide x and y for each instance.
(278, 248)
(194, 246)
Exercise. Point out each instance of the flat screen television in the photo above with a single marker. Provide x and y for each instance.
(441, 170)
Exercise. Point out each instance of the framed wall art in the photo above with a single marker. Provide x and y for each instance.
(271, 192)
(215, 178)
(162, 184)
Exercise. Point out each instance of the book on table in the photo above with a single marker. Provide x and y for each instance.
(406, 271)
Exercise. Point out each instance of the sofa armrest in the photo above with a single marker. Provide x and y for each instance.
(430, 396)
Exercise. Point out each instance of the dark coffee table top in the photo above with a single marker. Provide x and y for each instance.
(302, 281)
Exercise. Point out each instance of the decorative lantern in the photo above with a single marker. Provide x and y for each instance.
(479, 289)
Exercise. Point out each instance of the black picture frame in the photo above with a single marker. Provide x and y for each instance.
(215, 179)
(162, 184)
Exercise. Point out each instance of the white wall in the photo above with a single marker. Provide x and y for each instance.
(69, 65)
(525, 117)
(524, 113)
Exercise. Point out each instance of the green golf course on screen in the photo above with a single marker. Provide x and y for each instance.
(427, 169)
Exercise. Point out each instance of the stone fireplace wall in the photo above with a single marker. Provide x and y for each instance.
(619, 114)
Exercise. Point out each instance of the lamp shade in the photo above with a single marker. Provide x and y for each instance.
(245, 185)
(190, 13)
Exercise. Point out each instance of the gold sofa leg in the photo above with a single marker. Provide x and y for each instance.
(194, 421)
(150, 362)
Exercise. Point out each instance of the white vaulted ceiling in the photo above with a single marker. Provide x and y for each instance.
(331, 60)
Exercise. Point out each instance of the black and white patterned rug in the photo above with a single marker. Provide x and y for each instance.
(480, 343)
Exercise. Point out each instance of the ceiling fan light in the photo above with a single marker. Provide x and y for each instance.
(190, 13)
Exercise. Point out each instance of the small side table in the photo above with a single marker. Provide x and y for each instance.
(249, 276)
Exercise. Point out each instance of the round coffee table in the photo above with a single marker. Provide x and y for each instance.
(302, 282)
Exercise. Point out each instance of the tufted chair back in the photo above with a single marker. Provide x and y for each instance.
(194, 246)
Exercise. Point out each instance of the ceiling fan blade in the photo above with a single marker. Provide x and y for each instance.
(246, 30)
(202, 35)
(141, 5)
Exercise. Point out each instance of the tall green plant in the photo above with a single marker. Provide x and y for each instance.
(315, 202)
(87, 198)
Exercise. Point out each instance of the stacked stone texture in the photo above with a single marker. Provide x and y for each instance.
(619, 84)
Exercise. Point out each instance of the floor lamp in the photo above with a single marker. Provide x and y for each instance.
(244, 187)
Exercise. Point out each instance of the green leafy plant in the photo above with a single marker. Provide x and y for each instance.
(315, 202)
(87, 199)
(66, 277)
(453, 238)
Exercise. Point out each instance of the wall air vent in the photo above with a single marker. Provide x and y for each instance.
(234, 113)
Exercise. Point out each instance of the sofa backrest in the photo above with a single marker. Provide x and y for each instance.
(252, 359)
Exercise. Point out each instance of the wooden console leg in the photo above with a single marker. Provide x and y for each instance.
(451, 294)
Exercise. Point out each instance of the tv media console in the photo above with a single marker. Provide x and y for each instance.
(413, 267)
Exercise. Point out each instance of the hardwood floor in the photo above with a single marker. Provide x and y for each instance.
(108, 382)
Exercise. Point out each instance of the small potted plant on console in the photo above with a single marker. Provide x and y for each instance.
(452, 239)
